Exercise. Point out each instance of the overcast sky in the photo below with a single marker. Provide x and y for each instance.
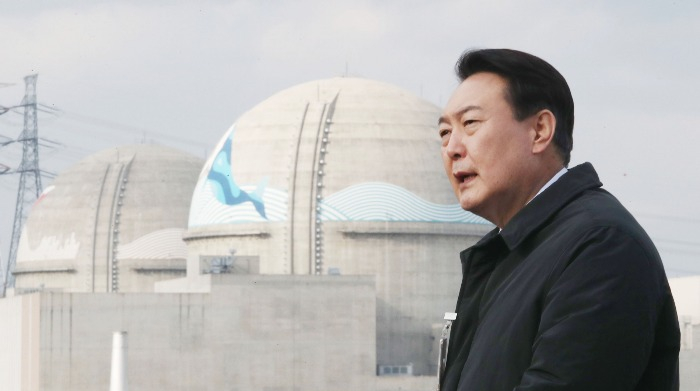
(179, 73)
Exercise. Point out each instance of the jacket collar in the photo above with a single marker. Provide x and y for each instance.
(577, 180)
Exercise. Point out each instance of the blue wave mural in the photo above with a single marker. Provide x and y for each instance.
(375, 201)
(362, 202)
(225, 188)
(218, 199)
(206, 209)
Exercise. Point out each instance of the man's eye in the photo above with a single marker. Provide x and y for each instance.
(444, 132)
(470, 122)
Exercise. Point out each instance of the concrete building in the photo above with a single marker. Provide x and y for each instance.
(689, 357)
(341, 176)
(686, 294)
(247, 333)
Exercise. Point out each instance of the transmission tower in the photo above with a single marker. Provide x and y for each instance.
(29, 187)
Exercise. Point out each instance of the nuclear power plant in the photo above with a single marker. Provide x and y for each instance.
(315, 249)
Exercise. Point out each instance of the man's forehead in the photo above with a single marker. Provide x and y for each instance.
(475, 93)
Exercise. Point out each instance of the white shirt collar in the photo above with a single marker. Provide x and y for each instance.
(546, 185)
(551, 181)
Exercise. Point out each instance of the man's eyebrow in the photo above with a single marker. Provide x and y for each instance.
(458, 113)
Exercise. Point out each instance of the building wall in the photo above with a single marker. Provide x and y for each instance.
(417, 269)
(249, 333)
(689, 361)
(262, 240)
(418, 278)
(19, 356)
(686, 294)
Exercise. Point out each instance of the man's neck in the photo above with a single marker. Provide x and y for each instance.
(538, 186)
(554, 178)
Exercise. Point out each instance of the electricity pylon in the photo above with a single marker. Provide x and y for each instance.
(29, 187)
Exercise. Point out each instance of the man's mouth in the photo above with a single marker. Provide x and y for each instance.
(464, 177)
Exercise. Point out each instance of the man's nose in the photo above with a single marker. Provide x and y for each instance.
(455, 148)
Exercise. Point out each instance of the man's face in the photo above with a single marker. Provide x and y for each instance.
(485, 149)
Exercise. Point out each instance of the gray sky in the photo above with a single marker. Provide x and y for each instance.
(179, 73)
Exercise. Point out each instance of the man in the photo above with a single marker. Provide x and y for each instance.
(568, 291)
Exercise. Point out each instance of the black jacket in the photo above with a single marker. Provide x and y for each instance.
(571, 295)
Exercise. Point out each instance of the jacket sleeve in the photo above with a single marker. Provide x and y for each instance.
(599, 317)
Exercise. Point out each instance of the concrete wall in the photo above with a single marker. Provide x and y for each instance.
(418, 277)
(686, 294)
(689, 362)
(250, 333)
(403, 383)
(417, 269)
(261, 240)
(19, 356)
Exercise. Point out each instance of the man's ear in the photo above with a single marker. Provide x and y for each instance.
(544, 125)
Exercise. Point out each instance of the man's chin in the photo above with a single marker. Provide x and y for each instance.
(473, 207)
(469, 206)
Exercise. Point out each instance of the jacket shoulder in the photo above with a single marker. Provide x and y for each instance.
(598, 209)
(595, 224)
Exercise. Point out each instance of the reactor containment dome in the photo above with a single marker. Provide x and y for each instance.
(111, 223)
(342, 177)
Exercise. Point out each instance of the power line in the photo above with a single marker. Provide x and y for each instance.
(675, 241)
(120, 126)
(678, 251)
(4, 109)
(106, 127)
(669, 218)
(685, 272)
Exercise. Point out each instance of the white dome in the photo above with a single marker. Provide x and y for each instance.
(112, 222)
(336, 150)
